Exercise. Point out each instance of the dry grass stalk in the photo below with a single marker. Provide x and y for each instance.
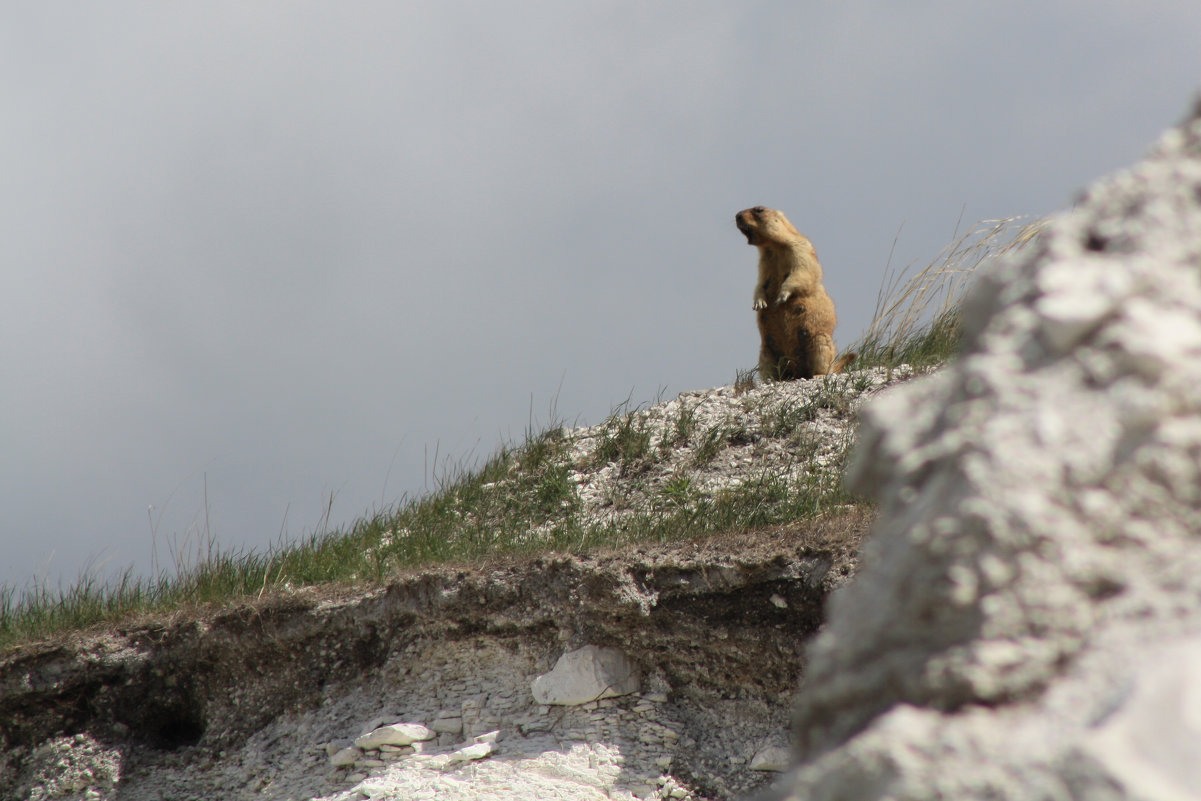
(911, 309)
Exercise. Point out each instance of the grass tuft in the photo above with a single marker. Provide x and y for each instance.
(917, 318)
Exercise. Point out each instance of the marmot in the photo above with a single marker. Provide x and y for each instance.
(796, 316)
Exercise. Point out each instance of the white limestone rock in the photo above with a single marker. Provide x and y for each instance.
(471, 752)
(587, 674)
(395, 734)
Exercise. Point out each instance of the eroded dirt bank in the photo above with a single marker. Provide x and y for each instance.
(241, 703)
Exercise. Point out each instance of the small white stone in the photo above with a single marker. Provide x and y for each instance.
(487, 737)
(778, 602)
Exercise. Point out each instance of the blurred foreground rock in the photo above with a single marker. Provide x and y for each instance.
(1027, 620)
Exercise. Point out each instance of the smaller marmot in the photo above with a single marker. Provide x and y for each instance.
(796, 316)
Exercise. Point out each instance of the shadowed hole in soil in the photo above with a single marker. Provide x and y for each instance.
(166, 720)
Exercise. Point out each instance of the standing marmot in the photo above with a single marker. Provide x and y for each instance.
(796, 316)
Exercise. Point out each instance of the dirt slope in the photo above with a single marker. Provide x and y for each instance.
(241, 702)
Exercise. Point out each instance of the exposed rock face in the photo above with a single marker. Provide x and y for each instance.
(1039, 546)
(264, 702)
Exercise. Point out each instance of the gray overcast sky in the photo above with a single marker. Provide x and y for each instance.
(286, 250)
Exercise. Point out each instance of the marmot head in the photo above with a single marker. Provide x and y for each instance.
(764, 226)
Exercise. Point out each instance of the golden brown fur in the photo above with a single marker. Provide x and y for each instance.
(796, 316)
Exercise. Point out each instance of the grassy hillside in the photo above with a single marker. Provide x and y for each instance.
(643, 475)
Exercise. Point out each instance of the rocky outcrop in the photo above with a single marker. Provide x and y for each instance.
(1027, 620)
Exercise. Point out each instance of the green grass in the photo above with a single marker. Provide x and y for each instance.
(523, 499)
(625, 440)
